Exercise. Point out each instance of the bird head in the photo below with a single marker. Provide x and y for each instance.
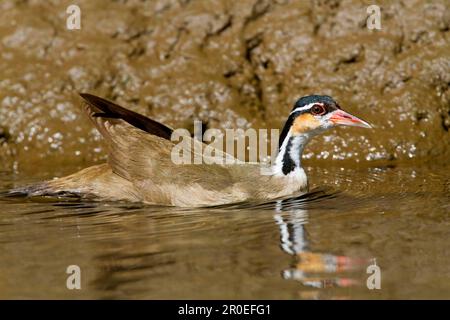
(314, 114)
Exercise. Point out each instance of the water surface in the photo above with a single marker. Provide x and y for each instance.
(316, 246)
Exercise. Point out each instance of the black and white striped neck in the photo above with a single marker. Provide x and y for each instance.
(288, 160)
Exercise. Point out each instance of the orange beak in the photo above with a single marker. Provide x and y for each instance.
(340, 117)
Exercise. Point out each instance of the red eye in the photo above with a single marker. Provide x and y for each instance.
(318, 110)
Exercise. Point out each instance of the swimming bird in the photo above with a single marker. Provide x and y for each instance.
(140, 167)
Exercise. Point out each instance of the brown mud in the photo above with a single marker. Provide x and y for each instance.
(232, 64)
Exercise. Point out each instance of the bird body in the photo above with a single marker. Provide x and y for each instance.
(227, 184)
(140, 167)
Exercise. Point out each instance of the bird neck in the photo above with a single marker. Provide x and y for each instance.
(288, 160)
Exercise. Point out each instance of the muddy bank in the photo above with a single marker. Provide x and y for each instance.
(230, 64)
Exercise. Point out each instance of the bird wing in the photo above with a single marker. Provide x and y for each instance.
(140, 148)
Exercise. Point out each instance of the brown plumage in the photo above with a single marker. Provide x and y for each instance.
(140, 168)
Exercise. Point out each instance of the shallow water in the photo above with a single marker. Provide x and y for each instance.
(315, 247)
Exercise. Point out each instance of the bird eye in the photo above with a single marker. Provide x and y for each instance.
(317, 110)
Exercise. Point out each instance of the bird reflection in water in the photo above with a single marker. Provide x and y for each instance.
(312, 269)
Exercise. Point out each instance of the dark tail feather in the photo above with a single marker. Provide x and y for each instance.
(113, 111)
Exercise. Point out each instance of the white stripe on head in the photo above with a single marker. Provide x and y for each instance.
(307, 107)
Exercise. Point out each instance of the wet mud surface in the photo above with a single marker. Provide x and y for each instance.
(231, 64)
(382, 194)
